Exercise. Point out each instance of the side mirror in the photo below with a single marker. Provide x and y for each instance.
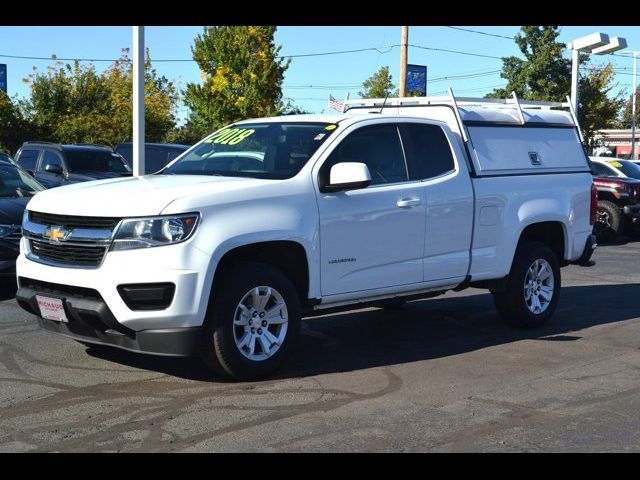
(348, 176)
(55, 169)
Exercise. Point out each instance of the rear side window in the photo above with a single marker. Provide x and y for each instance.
(428, 152)
(377, 146)
(28, 159)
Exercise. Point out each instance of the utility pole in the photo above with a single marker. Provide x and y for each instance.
(633, 107)
(138, 101)
(403, 60)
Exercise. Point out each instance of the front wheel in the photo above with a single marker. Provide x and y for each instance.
(253, 322)
(533, 287)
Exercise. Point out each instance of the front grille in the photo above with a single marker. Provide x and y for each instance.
(70, 221)
(68, 254)
(14, 238)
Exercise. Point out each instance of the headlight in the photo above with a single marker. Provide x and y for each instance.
(154, 231)
(6, 230)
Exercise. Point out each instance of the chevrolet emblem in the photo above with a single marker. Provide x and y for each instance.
(55, 234)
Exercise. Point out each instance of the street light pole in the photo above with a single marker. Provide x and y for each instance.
(575, 60)
(138, 101)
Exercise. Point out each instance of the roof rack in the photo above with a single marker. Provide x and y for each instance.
(475, 104)
(101, 145)
(451, 99)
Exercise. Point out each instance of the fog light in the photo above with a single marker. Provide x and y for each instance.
(147, 296)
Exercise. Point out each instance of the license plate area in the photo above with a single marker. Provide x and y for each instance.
(51, 308)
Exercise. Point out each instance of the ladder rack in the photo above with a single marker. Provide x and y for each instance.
(518, 106)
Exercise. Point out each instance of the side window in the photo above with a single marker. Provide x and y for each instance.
(377, 146)
(602, 170)
(428, 152)
(28, 159)
(50, 158)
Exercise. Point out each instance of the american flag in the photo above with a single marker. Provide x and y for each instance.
(335, 104)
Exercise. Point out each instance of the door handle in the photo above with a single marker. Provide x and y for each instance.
(408, 202)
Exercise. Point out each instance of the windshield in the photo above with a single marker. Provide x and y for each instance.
(257, 150)
(91, 161)
(630, 169)
(14, 182)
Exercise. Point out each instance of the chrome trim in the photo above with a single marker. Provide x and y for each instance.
(88, 237)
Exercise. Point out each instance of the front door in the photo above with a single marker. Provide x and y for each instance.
(373, 237)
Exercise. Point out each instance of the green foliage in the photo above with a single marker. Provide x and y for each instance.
(75, 104)
(597, 109)
(379, 85)
(14, 127)
(627, 112)
(242, 76)
(545, 74)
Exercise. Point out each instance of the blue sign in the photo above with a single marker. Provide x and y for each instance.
(417, 80)
(3, 77)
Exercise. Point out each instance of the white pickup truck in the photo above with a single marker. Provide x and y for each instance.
(266, 221)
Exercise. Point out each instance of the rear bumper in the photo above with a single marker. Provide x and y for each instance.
(632, 210)
(91, 321)
(589, 248)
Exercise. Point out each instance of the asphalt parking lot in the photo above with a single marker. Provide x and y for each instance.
(438, 375)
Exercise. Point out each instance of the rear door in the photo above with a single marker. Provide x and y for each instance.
(449, 198)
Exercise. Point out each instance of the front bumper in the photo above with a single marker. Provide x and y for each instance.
(182, 265)
(91, 321)
(632, 210)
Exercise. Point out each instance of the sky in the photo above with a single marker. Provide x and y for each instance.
(309, 80)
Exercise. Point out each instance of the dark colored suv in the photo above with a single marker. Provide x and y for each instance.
(54, 165)
(16, 189)
(618, 206)
(156, 155)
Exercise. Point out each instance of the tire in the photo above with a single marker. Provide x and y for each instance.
(227, 346)
(610, 221)
(516, 304)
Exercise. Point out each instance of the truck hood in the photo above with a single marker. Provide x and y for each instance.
(133, 196)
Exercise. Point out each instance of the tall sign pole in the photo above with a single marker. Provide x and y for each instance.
(404, 40)
(138, 101)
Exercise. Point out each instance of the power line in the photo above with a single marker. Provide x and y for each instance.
(302, 55)
(454, 51)
(481, 33)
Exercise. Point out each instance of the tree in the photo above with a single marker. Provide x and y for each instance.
(625, 121)
(14, 127)
(597, 109)
(242, 76)
(545, 74)
(75, 104)
(379, 85)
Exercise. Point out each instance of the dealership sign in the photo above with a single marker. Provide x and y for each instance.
(3, 77)
(417, 80)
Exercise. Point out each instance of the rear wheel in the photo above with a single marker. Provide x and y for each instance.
(533, 288)
(253, 322)
(609, 223)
